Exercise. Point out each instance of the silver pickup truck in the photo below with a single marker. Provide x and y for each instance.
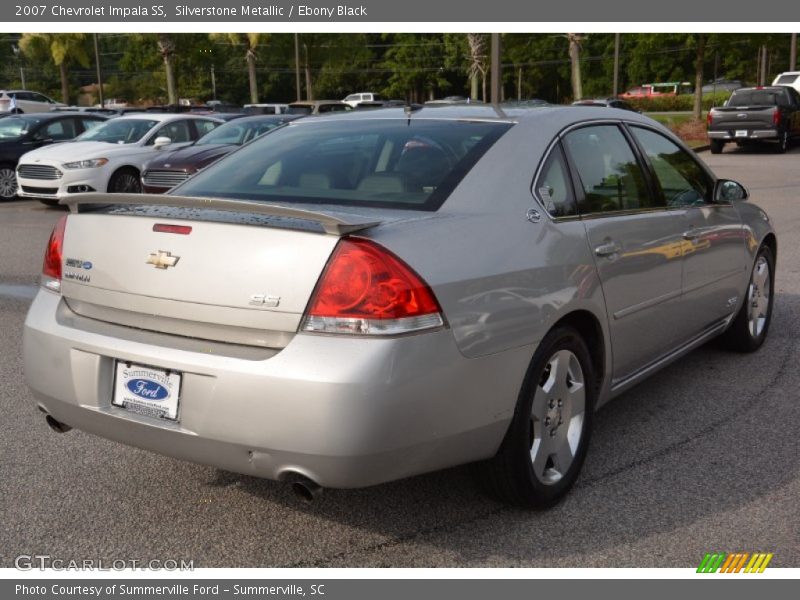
(756, 114)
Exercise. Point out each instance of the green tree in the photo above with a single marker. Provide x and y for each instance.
(251, 42)
(62, 48)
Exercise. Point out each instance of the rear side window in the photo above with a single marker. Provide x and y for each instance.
(682, 181)
(553, 186)
(608, 170)
(787, 79)
(376, 162)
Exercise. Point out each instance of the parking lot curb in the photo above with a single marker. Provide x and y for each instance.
(702, 148)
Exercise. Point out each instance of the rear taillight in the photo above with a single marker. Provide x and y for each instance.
(367, 290)
(776, 118)
(710, 118)
(53, 257)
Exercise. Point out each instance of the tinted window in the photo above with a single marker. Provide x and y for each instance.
(91, 123)
(204, 127)
(553, 187)
(682, 181)
(15, 127)
(63, 129)
(609, 173)
(301, 109)
(238, 132)
(376, 162)
(177, 132)
(755, 98)
(119, 131)
(787, 79)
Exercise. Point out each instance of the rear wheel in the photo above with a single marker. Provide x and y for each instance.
(125, 181)
(8, 182)
(545, 446)
(716, 146)
(751, 325)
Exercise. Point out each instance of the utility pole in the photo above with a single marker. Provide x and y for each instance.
(22, 76)
(99, 74)
(496, 74)
(793, 53)
(763, 79)
(616, 65)
(297, 66)
(575, 40)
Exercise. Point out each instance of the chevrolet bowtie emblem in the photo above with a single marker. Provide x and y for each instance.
(162, 259)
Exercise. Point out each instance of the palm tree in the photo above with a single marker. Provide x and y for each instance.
(166, 46)
(61, 48)
(251, 42)
(477, 63)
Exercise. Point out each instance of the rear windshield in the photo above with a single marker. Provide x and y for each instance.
(238, 132)
(755, 98)
(388, 163)
(787, 79)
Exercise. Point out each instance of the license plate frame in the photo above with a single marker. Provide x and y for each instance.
(148, 391)
(741, 133)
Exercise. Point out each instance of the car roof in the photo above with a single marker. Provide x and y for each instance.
(60, 114)
(768, 88)
(163, 117)
(553, 116)
(265, 118)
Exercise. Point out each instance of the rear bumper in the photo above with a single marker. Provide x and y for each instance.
(345, 412)
(752, 134)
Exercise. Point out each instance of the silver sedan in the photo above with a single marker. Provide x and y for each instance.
(360, 298)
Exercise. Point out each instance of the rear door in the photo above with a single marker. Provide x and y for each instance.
(636, 244)
(713, 244)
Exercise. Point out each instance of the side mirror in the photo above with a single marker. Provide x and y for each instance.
(727, 191)
(162, 141)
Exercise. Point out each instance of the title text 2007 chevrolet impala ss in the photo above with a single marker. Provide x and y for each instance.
(360, 298)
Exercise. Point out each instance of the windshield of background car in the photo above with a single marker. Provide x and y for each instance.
(787, 79)
(12, 128)
(300, 110)
(119, 131)
(237, 132)
(755, 98)
(392, 163)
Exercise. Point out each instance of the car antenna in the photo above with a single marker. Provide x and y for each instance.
(408, 109)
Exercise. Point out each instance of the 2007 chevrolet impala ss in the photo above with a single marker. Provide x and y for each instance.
(355, 299)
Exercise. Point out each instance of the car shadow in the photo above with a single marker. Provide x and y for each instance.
(707, 435)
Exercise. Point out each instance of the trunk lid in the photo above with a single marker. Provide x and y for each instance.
(238, 276)
(742, 117)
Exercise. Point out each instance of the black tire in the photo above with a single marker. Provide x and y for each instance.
(511, 475)
(8, 182)
(745, 333)
(783, 143)
(125, 181)
(716, 146)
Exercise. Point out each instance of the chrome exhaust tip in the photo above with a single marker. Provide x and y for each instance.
(304, 488)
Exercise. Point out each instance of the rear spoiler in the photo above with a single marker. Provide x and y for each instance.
(334, 225)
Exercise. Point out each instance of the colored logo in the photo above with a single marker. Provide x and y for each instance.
(149, 390)
(739, 562)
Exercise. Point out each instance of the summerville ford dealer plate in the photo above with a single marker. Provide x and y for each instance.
(146, 390)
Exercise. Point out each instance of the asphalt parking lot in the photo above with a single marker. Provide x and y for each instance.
(703, 457)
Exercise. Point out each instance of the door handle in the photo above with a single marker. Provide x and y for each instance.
(692, 234)
(607, 249)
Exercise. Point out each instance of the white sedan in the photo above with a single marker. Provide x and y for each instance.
(108, 158)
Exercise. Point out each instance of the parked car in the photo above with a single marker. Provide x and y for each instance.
(265, 109)
(22, 133)
(108, 158)
(448, 100)
(317, 107)
(607, 102)
(168, 169)
(355, 99)
(367, 296)
(790, 78)
(25, 101)
(655, 90)
(756, 114)
(723, 85)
